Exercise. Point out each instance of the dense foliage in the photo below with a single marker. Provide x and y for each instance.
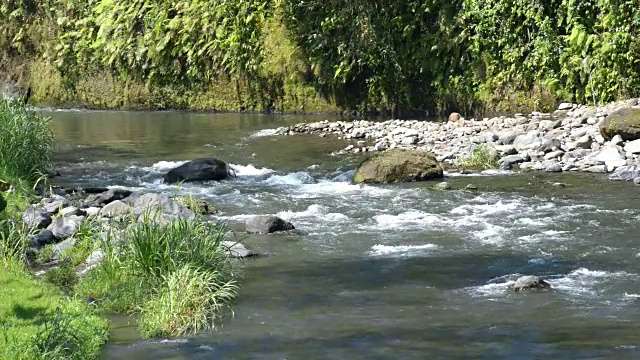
(416, 55)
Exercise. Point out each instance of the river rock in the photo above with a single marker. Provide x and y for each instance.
(163, 204)
(72, 210)
(92, 211)
(44, 237)
(236, 250)
(63, 247)
(267, 224)
(454, 116)
(443, 186)
(203, 169)
(55, 204)
(64, 227)
(399, 165)
(625, 122)
(611, 157)
(632, 147)
(507, 162)
(36, 218)
(94, 258)
(625, 173)
(199, 206)
(116, 209)
(104, 198)
(530, 283)
(565, 106)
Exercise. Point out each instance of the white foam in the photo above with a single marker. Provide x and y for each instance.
(582, 281)
(265, 132)
(412, 217)
(297, 178)
(166, 165)
(250, 170)
(632, 296)
(380, 250)
(488, 209)
(314, 211)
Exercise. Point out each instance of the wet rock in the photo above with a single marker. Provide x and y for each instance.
(203, 169)
(64, 227)
(399, 165)
(443, 186)
(237, 250)
(267, 224)
(199, 206)
(44, 237)
(529, 283)
(636, 181)
(36, 218)
(471, 187)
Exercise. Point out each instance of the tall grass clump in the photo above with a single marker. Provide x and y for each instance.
(481, 158)
(175, 274)
(26, 142)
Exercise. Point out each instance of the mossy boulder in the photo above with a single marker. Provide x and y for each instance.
(625, 122)
(399, 165)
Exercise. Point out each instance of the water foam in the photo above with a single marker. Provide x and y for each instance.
(161, 166)
(265, 132)
(250, 170)
(381, 250)
(408, 218)
(314, 211)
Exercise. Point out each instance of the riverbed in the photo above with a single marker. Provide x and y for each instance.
(379, 272)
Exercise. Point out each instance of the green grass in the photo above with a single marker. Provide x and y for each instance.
(38, 322)
(482, 158)
(26, 142)
(176, 275)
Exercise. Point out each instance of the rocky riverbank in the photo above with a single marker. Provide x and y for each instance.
(573, 138)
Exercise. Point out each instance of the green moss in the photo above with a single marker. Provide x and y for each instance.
(625, 123)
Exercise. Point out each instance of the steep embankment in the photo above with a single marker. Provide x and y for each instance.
(313, 56)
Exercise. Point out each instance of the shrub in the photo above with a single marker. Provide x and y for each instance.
(26, 142)
(482, 158)
(190, 300)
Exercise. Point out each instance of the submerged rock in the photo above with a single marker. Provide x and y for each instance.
(267, 224)
(443, 186)
(399, 165)
(203, 169)
(237, 250)
(530, 283)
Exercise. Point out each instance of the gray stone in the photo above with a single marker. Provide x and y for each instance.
(554, 155)
(636, 181)
(632, 147)
(71, 210)
(526, 141)
(442, 186)
(565, 106)
(56, 205)
(625, 173)
(530, 283)
(62, 228)
(552, 166)
(583, 142)
(36, 218)
(160, 203)
(507, 162)
(600, 169)
(267, 224)
(611, 157)
(95, 258)
(237, 250)
(507, 138)
(92, 211)
(116, 209)
(104, 198)
(63, 247)
(617, 140)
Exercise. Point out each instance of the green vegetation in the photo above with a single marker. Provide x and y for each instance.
(482, 158)
(286, 55)
(176, 275)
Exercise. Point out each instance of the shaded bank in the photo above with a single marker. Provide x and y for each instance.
(408, 57)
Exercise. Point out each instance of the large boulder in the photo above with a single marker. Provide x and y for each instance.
(267, 224)
(202, 169)
(529, 283)
(36, 218)
(64, 227)
(625, 122)
(399, 165)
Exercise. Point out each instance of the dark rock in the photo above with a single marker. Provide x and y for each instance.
(45, 237)
(203, 169)
(3, 203)
(104, 198)
(530, 283)
(36, 218)
(624, 122)
(267, 224)
(399, 165)
(95, 190)
(64, 227)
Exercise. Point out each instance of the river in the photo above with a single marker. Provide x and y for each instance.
(380, 272)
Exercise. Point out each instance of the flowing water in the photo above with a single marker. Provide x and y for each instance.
(380, 272)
